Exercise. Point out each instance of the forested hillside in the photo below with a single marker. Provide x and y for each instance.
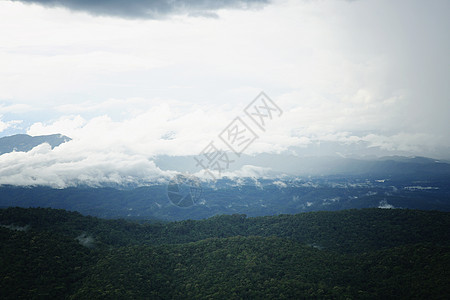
(250, 196)
(369, 253)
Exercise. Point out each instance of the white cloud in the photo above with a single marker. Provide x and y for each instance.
(119, 87)
(248, 171)
(3, 126)
(408, 142)
(280, 184)
(8, 124)
(15, 108)
(67, 166)
(385, 205)
(115, 149)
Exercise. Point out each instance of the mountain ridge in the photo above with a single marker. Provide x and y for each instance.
(25, 142)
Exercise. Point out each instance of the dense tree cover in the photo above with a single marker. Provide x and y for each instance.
(40, 264)
(369, 253)
(342, 231)
(270, 268)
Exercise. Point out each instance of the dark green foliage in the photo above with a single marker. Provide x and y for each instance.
(350, 231)
(40, 264)
(256, 267)
(370, 253)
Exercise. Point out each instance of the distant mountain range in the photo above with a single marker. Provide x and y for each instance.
(250, 196)
(25, 142)
(276, 164)
(269, 165)
(264, 184)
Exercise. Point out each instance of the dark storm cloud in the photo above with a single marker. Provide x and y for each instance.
(150, 9)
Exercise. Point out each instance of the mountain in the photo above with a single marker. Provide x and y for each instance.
(294, 165)
(352, 254)
(24, 142)
(279, 184)
(242, 195)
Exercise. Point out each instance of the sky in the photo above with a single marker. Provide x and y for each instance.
(131, 80)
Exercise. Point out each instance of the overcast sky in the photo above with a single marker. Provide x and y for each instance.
(127, 80)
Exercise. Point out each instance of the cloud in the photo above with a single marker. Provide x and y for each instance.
(342, 76)
(280, 184)
(144, 133)
(103, 151)
(64, 166)
(385, 205)
(8, 124)
(106, 151)
(3, 126)
(408, 142)
(86, 240)
(249, 171)
(149, 9)
(15, 108)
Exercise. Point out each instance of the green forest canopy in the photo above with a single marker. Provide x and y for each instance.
(369, 253)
